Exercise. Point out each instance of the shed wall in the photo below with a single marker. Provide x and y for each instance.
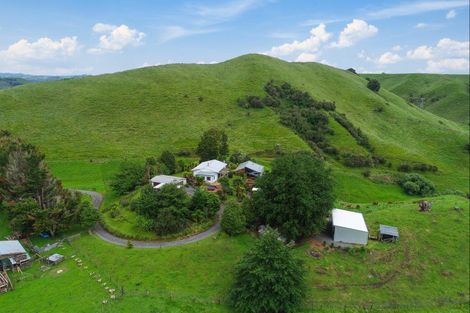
(347, 235)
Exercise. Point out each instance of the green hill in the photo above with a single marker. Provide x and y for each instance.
(85, 124)
(443, 95)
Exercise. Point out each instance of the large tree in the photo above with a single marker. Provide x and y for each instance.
(295, 197)
(268, 278)
(213, 145)
(169, 160)
(129, 176)
(36, 200)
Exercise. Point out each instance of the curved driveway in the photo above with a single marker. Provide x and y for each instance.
(98, 230)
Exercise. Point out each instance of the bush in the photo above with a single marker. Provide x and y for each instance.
(238, 157)
(353, 160)
(170, 220)
(205, 202)
(129, 176)
(213, 145)
(404, 167)
(360, 137)
(268, 278)
(415, 184)
(183, 153)
(168, 159)
(373, 84)
(351, 70)
(233, 220)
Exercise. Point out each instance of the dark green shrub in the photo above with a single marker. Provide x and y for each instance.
(414, 184)
(351, 70)
(169, 160)
(404, 167)
(353, 160)
(373, 84)
(233, 220)
(129, 176)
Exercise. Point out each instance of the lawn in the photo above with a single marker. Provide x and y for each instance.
(427, 268)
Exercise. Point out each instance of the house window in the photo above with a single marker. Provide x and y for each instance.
(208, 178)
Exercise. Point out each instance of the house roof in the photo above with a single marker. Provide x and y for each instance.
(210, 166)
(252, 166)
(388, 230)
(11, 247)
(348, 219)
(166, 179)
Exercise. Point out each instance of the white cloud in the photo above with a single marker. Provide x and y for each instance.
(447, 56)
(454, 47)
(354, 32)
(446, 65)
(417, 8)
(318, 36)
(41, 49)
(306, 57)
(421, 25)
(388, 58)
(451, 14)
(116, 38)
(173, 32)
(396, 48)
(420, 53)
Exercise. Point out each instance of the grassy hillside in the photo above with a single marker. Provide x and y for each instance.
(427, 271)
(82, 124)
(443, 95)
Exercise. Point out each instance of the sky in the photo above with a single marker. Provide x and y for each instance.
(68, 37)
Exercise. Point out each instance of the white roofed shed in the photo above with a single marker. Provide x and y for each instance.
(349, 227)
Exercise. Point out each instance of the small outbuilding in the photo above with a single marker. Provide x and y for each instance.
(161, 180)
(349, 227)
(388, 233)
(250, 168)
(13, 255)
(210, 170)
(55, 259)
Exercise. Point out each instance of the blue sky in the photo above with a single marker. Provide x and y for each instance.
(91, 37)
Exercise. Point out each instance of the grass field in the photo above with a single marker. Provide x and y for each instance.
(86, 126)
(428, 268)
(443, 95)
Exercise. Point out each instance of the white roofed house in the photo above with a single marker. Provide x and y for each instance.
(210, 170)
(250, 168)
(161, 180)
(349, 227)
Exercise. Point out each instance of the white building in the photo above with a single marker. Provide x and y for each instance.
(161, 180)
(210, 170)
(349, 227)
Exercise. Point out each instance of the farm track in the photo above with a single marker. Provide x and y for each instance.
(99, 231)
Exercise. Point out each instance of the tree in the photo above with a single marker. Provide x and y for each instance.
(36, 200)
(415, 184)
(88, 215)
(268, 278)
(170, 220)
(129, 176)
(151, 202)
(295, 197)
(169, 160)
(213, 145)
(374, 85)
(204, 204)
(233, 220)
(239, 186)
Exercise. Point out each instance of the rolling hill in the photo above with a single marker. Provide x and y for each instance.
(443, 95)
(85, 124)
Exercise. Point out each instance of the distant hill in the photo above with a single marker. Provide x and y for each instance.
(443, 95)
(8, 80)
(139, 113)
